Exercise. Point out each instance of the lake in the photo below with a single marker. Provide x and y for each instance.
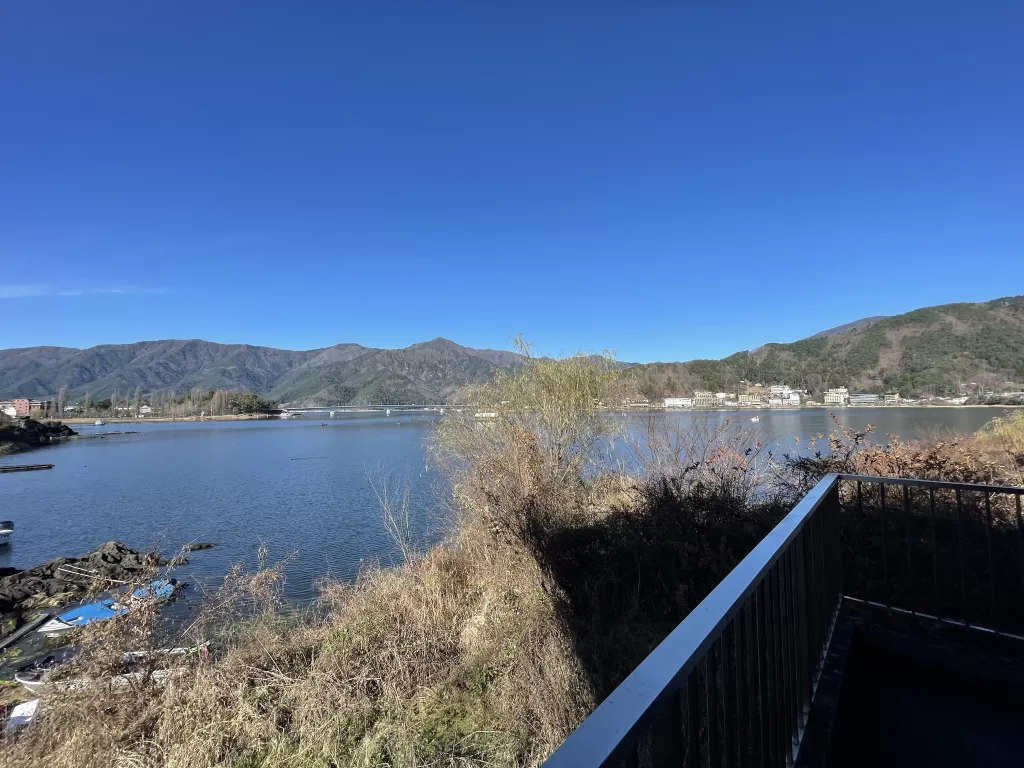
(302, 490)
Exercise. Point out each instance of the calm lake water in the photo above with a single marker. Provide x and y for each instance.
(302, 490)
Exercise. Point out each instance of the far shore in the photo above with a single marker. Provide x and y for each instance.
(108, 420)
(148, 419)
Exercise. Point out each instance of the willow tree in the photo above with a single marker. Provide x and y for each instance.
(525, 446)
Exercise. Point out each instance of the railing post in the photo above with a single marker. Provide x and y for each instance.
(837, 538)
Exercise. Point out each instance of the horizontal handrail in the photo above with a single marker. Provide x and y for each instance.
(804, 538)
(935, 484)
(607, 732)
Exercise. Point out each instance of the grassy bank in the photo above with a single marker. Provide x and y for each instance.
(566, 564)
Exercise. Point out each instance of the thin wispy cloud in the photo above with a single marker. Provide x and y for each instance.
(35, 290)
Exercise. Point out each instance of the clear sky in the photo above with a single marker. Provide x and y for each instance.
(669, 180)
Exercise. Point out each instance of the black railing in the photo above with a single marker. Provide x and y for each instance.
(948, 551)
(733, 683)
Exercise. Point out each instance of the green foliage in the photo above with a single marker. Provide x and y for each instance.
(247, 402)
(936, 347)
(866, 350)
(713, 374)
(809, 349)
(998, 346)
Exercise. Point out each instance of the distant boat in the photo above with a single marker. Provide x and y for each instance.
(387, 412)
(755, 419)
(157, 590)
(6, 532)
(98, 423)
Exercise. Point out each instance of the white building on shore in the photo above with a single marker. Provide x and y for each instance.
(702, 399)
(679, 402)
(837, 396)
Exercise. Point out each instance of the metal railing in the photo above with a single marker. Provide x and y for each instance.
(947, 551)
(732, 684)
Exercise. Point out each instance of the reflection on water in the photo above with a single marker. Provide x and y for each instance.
(302, 489)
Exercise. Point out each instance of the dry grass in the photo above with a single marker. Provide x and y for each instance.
(565, 567)
(1002, 439)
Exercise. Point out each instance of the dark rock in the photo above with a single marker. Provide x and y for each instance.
(71, 577)
(20, 593)
(197, 547)
(25, 433)
(55, 588)
(6, 571)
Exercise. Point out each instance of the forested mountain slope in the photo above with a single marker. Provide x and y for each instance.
(934, 350)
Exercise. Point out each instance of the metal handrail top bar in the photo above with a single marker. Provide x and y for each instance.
(632, 705)
(936, 484)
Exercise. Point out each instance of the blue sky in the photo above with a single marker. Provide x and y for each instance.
(668, 180)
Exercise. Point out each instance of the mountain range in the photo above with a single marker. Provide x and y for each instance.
(344, 373)
(934, 349)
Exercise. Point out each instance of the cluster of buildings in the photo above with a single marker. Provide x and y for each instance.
(842, 396)
(24, 406)
(777, 396)
(701, 399)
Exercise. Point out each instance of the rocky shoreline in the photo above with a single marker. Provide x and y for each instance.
(63, 579)
(24, 434)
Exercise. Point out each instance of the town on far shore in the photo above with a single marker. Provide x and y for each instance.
(753, 395)
(757, 395)
(48, 408)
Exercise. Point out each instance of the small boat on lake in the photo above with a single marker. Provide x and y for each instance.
(6, 532)
(98, 423)
(755, 419)
(156, 591)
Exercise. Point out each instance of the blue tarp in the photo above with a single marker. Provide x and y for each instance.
(159, 589)
(83, 614)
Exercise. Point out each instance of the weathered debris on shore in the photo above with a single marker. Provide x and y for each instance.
(63, 579)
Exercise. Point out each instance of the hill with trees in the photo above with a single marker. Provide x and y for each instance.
(342, 374)
(934, 350)
(937, 350)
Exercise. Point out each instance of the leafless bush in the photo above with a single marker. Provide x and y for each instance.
(394, 501)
